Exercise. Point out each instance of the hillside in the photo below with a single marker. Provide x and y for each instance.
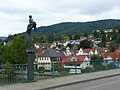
(77, 27)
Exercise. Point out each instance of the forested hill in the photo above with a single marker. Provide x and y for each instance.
(77, 27)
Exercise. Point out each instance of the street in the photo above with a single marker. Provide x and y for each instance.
(111, 83)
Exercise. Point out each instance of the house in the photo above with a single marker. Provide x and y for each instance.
(95, 31)
(81, 61)
(90, 36)
(105, 50)
(53, 45)
(89, 51)
(83, 38)
(39, 52)
(80, 52)
(68, 51)
(47, 57)
(112, 57)
(36, 46)
(108, 30)
(97, 41)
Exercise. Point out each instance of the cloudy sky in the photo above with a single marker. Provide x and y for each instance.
(14, 13)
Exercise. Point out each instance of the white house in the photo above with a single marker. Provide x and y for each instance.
(81, 62)
(47, 57)
(90, 51)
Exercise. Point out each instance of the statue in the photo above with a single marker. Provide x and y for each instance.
(30, 27)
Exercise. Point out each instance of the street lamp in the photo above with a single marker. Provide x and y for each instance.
(74, 61)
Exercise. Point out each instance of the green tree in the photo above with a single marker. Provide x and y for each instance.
(116, 37)
(50, 38)
(86, 44)
(16, 52)
(77, 36)
(19, 54)
(9, 70)
(0, 40)
(97, 63)
(2, 49)
(96, 34)
(113, 46)
(66, 37)
(6, 56)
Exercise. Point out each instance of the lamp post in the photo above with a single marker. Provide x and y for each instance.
(52, 69)
(74, 61)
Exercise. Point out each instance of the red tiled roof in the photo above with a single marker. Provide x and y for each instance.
(86, 50)
(89, 49)
(39, 52)
(113, 55)
(79, 58)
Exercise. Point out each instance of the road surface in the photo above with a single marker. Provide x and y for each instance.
(111, 83)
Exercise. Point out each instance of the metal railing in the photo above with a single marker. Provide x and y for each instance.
(17, 73)
(10, 74)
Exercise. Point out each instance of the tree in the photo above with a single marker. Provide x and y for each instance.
(86, 44)
(0, 40)
(103, 38)
(2, 49)
(6, 55)
(66, 37)
(50, 38)
(116, 37)
(77, 36)
(19, 54)
(113, 46)
(96, 34)
(16, 52)
(97, 63)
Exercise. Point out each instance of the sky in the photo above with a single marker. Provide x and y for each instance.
(14, 14)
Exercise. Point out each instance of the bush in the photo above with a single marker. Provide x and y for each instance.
(41, 70)
(99, 67)
(111, 66)
(64, 71)
(9, 70)
(87, 69)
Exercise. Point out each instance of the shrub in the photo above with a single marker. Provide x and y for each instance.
(111, 66)
(87, 69)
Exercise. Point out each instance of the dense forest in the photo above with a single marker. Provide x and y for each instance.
(77, 27)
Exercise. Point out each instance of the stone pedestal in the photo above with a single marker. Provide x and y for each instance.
(30, 74)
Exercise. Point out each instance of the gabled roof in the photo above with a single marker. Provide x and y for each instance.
(80, 58)
(86, 50)
(89, 49)
(51, 53)
(113, 55)
(39, 52)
